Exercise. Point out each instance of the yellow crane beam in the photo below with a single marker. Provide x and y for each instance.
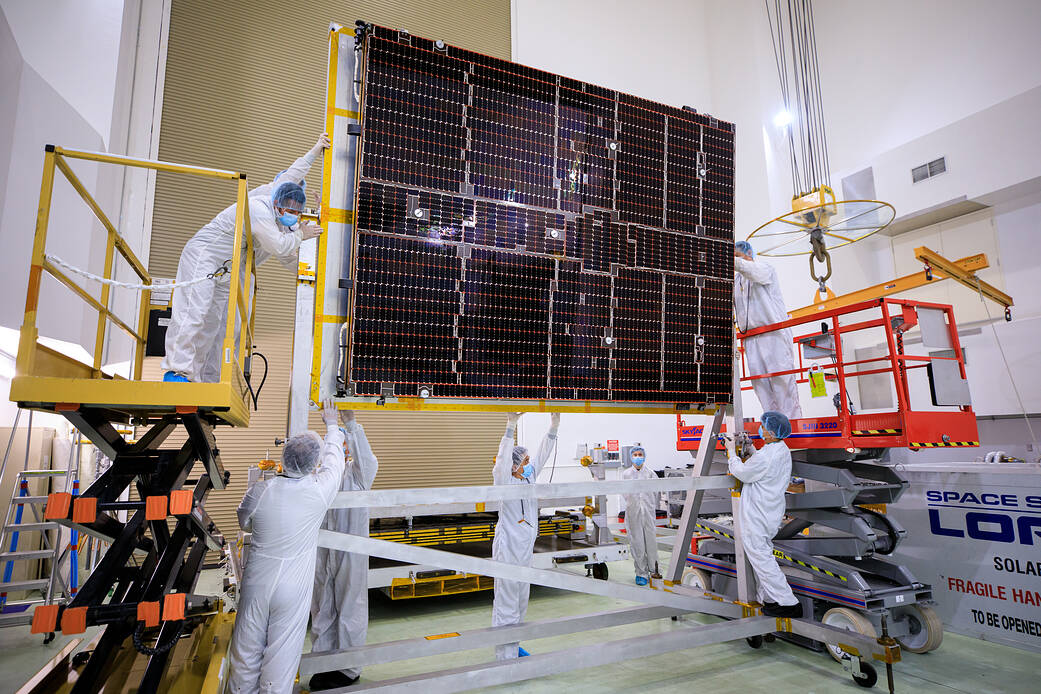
(936, 261)
(962, 268)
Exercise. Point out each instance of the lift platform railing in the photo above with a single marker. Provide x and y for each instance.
(35, 359)
(908, 426)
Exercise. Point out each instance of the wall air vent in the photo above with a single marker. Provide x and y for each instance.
(933, 168)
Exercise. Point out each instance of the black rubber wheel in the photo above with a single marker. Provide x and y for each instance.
(769, 638)
(600, 571)
(81, 658)
(755, 641)
(868, 676)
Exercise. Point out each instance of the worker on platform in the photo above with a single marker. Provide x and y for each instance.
(518, 526)
(640, 515)
(198, 318)
(758, 302)
(340, 602)
(284, 514)
(765, 477)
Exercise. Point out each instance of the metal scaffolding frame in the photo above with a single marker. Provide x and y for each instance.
(666, 597)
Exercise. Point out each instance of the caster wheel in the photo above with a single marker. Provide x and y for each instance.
(868, 676)
(850, 620)
(755, 641)
(769, 638)
(675, 618)
(81, 658)
(926, 629)
(600, 571)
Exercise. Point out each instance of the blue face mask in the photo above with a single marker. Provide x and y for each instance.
(287, 220)
(762, 432)
(527, 471)
(638, 462)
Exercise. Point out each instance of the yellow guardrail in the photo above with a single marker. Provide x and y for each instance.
(241, 291)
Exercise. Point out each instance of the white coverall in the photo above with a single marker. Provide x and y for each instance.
(340, 603)
(758, 302)
(515, 535)
(199, 315)
(639, 521)
(284, 515)
(766, 476)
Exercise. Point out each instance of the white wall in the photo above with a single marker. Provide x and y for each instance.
(656, 49)
(73, 45)
(892, 70)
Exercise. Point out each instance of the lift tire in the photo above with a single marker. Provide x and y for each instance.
(600, 571)
(769, 638)
(755, 641)
(868, 676)
(697, 578)
(932, 626)
(851, 620)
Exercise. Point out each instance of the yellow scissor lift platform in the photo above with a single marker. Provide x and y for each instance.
(146, 603)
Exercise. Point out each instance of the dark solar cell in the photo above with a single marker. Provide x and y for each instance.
(526, 235)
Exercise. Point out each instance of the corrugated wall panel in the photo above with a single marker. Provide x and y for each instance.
(245, 90)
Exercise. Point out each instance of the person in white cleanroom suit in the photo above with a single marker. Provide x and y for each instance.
(758, 302)
(765, 477)
(518, 526)
(340, 603)
(640, 515)
(198, 319)
(284, 514)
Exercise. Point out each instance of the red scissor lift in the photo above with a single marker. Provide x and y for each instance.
(906, 427)
(843, 575)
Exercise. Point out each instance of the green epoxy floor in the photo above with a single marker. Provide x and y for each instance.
(961, 664)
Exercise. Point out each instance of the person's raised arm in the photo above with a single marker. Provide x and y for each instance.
(759, 273)
(332, 460)
(298, 170)
(503, 469)
(549, 441)
(363, 465)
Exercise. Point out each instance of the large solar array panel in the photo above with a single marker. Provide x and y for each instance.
(525, 235)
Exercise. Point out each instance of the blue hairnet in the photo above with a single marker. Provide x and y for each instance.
(287, 193)
(519, 454)
(637, 449)
(300, 454)
(745, 247)
(777, 424)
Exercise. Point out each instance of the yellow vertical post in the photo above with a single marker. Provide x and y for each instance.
(142, 330)
(227, 354)
(248, 292)
(27, 340)
(99, 341)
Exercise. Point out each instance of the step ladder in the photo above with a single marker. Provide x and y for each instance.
(54, 587)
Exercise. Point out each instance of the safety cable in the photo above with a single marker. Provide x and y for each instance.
(255, 395)
(1008, 369)
(222, 271)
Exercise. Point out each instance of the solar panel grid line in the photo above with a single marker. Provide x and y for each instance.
(521, 186)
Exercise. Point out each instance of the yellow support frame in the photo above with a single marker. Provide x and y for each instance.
(46, 378)
(329, 214)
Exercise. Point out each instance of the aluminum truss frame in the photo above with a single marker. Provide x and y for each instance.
(668, 598)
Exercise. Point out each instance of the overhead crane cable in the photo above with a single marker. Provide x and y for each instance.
(782, 80)
(820, 99)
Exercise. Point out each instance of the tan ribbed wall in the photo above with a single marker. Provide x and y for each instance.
(245, 90)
